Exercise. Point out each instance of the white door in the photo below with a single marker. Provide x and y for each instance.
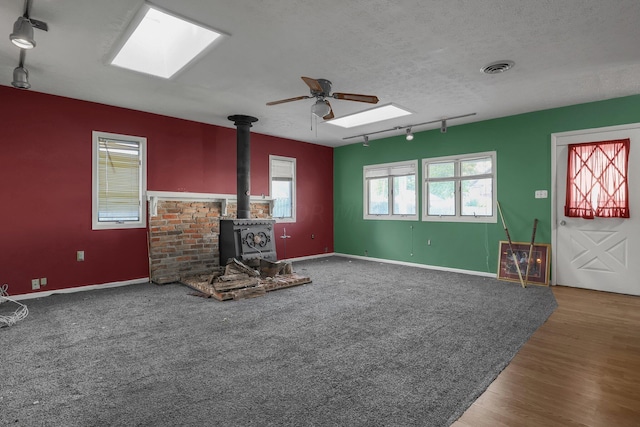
(601, 253)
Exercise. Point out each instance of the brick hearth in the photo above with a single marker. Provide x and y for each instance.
(183, 237)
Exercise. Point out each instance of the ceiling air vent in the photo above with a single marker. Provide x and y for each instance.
(497, 67)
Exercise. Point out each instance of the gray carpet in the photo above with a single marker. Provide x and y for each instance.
(365, 344)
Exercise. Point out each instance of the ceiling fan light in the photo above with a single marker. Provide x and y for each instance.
(21, 78)
(22, 35)
(320, 108)
(409, 135)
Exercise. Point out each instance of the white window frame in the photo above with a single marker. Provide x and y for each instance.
(294, 186)
(382, 170)
(457, 178)
(109, 225)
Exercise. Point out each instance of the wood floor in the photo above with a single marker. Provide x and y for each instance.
(581, 368)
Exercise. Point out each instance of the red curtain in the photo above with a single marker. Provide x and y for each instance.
(597, 180)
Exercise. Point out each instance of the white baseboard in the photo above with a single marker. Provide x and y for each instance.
(43, 294)
(304, 258)
(425, 266)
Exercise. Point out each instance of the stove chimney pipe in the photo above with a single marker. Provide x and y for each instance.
(243, 162)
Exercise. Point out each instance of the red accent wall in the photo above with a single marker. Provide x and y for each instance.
(45, 187)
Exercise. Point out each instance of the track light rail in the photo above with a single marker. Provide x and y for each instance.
(443, 127)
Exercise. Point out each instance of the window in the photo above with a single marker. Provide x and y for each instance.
(460, 188)
(390, 191)
(119, 181)
(597, 180)
(283, 188)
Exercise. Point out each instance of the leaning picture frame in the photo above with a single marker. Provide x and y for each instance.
(538, 267)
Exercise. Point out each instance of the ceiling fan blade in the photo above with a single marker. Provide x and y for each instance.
(282, 101)
(330, 115)
(371, 99)
(313, 84)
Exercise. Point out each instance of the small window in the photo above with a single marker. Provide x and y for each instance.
(460, 188)
(283, 188)
(119, 181)
(390, 191)
(597, 183)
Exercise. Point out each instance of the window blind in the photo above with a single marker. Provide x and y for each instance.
(119, 177)
(282, 169)
(400, 170)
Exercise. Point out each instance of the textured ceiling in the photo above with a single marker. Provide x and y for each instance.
(423, 55)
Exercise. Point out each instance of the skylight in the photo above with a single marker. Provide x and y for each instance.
(377, 114)
(161, 43)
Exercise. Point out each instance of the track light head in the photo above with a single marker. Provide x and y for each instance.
(22, 35)
(443, 127)
(21, 78)
(366, 141)
(409, 135)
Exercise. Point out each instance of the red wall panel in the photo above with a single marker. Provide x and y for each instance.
(45, 187)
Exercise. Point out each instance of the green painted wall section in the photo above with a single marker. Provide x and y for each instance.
(523, 147)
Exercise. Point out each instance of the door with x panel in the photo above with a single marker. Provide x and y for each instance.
(599, 253)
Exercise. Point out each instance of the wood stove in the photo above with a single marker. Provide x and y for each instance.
(247, 240)
(243, 238)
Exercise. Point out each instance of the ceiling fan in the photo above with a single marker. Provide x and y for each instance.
(320, 90)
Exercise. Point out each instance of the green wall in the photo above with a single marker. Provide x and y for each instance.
(523, 147)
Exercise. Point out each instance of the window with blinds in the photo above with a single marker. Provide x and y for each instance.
(118, 181)
(390, 191)
(283, 188)
(460, 188)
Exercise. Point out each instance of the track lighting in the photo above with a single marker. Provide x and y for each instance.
(366, 141)
(409, 135)
(409, 128)
(21, 78)
(22, 35)
(21, 74)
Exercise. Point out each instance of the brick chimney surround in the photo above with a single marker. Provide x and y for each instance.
(184, 230)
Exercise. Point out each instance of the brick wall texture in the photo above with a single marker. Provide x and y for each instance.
(183, 238)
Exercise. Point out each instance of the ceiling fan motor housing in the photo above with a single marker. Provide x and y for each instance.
(326, 88)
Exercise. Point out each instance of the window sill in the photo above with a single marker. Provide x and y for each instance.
(392, 217)
(478, 219)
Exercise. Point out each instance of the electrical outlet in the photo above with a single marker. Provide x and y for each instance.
(80, 256)
(541, 194)
(313, 236)
(43, 281)
(35, 284)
